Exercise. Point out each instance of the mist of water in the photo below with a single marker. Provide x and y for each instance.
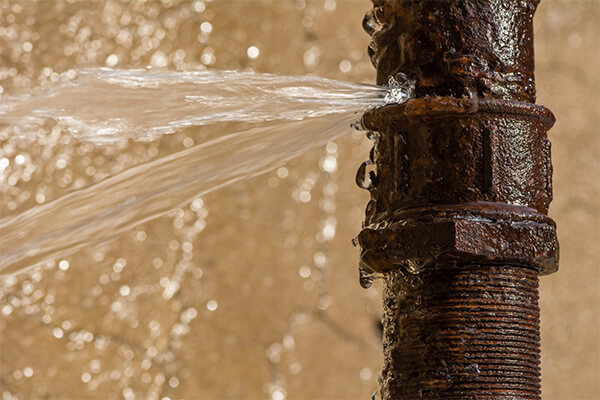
(289, 116)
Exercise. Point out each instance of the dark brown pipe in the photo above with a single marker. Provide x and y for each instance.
(457, 222)
(462, 332)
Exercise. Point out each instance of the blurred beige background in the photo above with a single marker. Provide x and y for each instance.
(240, 294)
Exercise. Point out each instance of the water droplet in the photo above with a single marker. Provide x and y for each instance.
(304, 196)
(329, 164)
(253, 52)
(320, 259)
(366, 276)
(57, 332)
(366, 374)
(159, 59)
(331, 148)
(329, 5)
(282, 172)
(198, 6)
(7, 309)
(112, 60)
(141, 236)
(305, 271)
(274, 352)
(278, 394)
(365, 176)
(295, 368)
(289, 342)
(311, 56)
(356, 126)
(345, 66)
(372, 135)
(370, 22)
(63, 265)
(206, 27)
(212, 305)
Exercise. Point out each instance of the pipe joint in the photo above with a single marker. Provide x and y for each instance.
(459, 180)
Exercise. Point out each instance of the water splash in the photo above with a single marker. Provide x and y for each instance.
(400, 88)
(289, 116)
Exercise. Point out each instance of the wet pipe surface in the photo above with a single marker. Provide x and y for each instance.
(457, 220)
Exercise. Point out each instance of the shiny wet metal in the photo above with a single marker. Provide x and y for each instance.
(460, 187)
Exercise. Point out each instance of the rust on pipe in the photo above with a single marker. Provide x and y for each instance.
(457, 223)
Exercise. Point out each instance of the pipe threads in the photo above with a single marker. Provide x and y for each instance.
(462, 332)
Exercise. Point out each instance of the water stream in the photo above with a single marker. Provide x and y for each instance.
(286, 116)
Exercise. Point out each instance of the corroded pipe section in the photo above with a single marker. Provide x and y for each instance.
(477, 325)
(452, 48)
(460, 180)
(457, 222)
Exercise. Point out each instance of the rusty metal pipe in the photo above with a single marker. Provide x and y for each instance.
(457, 222)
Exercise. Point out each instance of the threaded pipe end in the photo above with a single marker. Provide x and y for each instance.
(462, 332)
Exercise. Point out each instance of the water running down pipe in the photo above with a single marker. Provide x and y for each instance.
(457, 222)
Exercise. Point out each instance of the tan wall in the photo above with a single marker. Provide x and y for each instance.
(73, 334)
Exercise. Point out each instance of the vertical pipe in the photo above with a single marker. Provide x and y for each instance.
(457, 222)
